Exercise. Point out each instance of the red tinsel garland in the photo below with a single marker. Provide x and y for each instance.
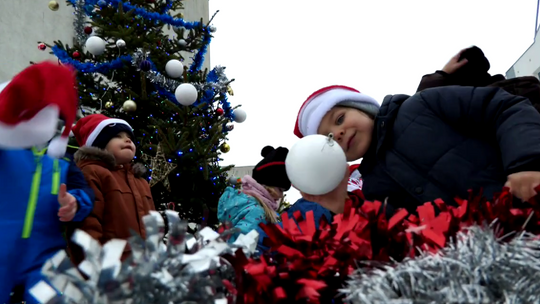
(310, 265)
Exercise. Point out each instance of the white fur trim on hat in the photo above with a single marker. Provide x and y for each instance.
(57, 147)
(95, 133)
(36, 131)
(315, 109)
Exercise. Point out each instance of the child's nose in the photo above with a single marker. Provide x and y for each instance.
(339, 136)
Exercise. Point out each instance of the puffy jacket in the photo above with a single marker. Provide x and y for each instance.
(123, 198)
(241, 210)
(31, 229)
(444, 141)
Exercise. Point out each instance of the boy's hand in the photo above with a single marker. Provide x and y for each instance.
(522, 184)
(68, 204)
(454, 64)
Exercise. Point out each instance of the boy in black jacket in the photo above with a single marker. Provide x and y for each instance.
(438, 143)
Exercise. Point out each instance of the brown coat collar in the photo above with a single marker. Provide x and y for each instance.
(94, 154)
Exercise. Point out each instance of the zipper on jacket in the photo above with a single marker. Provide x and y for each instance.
(34, 194)
(55, 178)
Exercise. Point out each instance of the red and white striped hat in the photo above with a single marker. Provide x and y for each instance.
(31, 104)
(88, 128)
(319, 103)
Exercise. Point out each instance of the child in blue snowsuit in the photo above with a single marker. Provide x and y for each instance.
(257, 201)
(38, 191)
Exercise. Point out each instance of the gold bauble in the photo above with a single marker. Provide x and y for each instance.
(53, 5)
(230, 91)
(129, 105)
(108, 104)
(225, 148)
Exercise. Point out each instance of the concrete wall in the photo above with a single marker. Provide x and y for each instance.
(19, 35)
(529, 63)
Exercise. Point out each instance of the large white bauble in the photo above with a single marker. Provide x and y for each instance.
(186, 94)
(95, 45)
(174, 68)
(316, 164)
(239, 115)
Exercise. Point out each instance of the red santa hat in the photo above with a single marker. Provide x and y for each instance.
(31, 104)
(91, 130)
(319, 103)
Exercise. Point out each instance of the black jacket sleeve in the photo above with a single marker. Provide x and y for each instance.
(494, 114)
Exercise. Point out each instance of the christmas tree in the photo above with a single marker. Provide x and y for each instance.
(128, 67)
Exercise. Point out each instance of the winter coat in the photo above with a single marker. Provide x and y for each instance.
(526, 86)
(442, 79)
(444, 141)
(31, 229)
(123, 198)
(242, 211)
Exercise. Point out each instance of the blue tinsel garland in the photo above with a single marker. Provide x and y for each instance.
(165, 18)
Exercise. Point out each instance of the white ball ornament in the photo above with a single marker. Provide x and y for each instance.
(182, 43)
(186, 94)
(174, 68)
(129, 105)
(239, 115)
(95, 45)
(316, 164)
(120, 43)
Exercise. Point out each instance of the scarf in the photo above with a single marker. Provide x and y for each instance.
(251, 187)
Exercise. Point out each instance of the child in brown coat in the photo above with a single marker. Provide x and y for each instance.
(122, 196)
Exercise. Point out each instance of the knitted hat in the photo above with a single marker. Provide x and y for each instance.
(271, 170)
(31, 104)
(319, 103)
(97, 130)
(475, 71)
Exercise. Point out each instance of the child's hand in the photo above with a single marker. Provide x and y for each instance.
(454, 64)
(68, 204)
(522, 184)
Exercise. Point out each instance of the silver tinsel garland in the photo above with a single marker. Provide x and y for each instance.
(187, 270)
(79, 22)
(171, 84)
(478, 268)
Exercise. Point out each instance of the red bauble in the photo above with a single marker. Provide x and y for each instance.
(76, 54)
(219, 111)
(88, 30)
(42, 46)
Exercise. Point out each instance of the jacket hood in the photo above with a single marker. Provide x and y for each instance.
(106, 159)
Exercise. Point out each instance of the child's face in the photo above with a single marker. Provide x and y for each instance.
(352, 129)
(122, 148)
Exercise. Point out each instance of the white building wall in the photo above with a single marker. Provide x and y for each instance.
(25, 22)
(239, 172)
(529, 63)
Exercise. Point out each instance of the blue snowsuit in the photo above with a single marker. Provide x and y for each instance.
(31, 231)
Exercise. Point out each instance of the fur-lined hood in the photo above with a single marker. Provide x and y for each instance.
(99, 155)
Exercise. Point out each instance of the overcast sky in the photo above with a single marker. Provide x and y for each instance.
(281, 51)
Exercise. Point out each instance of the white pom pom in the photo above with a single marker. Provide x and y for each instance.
(316, 164)
(186, 94)
(58, 147)
(174, 68)
(95, 45)
(239, 115)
